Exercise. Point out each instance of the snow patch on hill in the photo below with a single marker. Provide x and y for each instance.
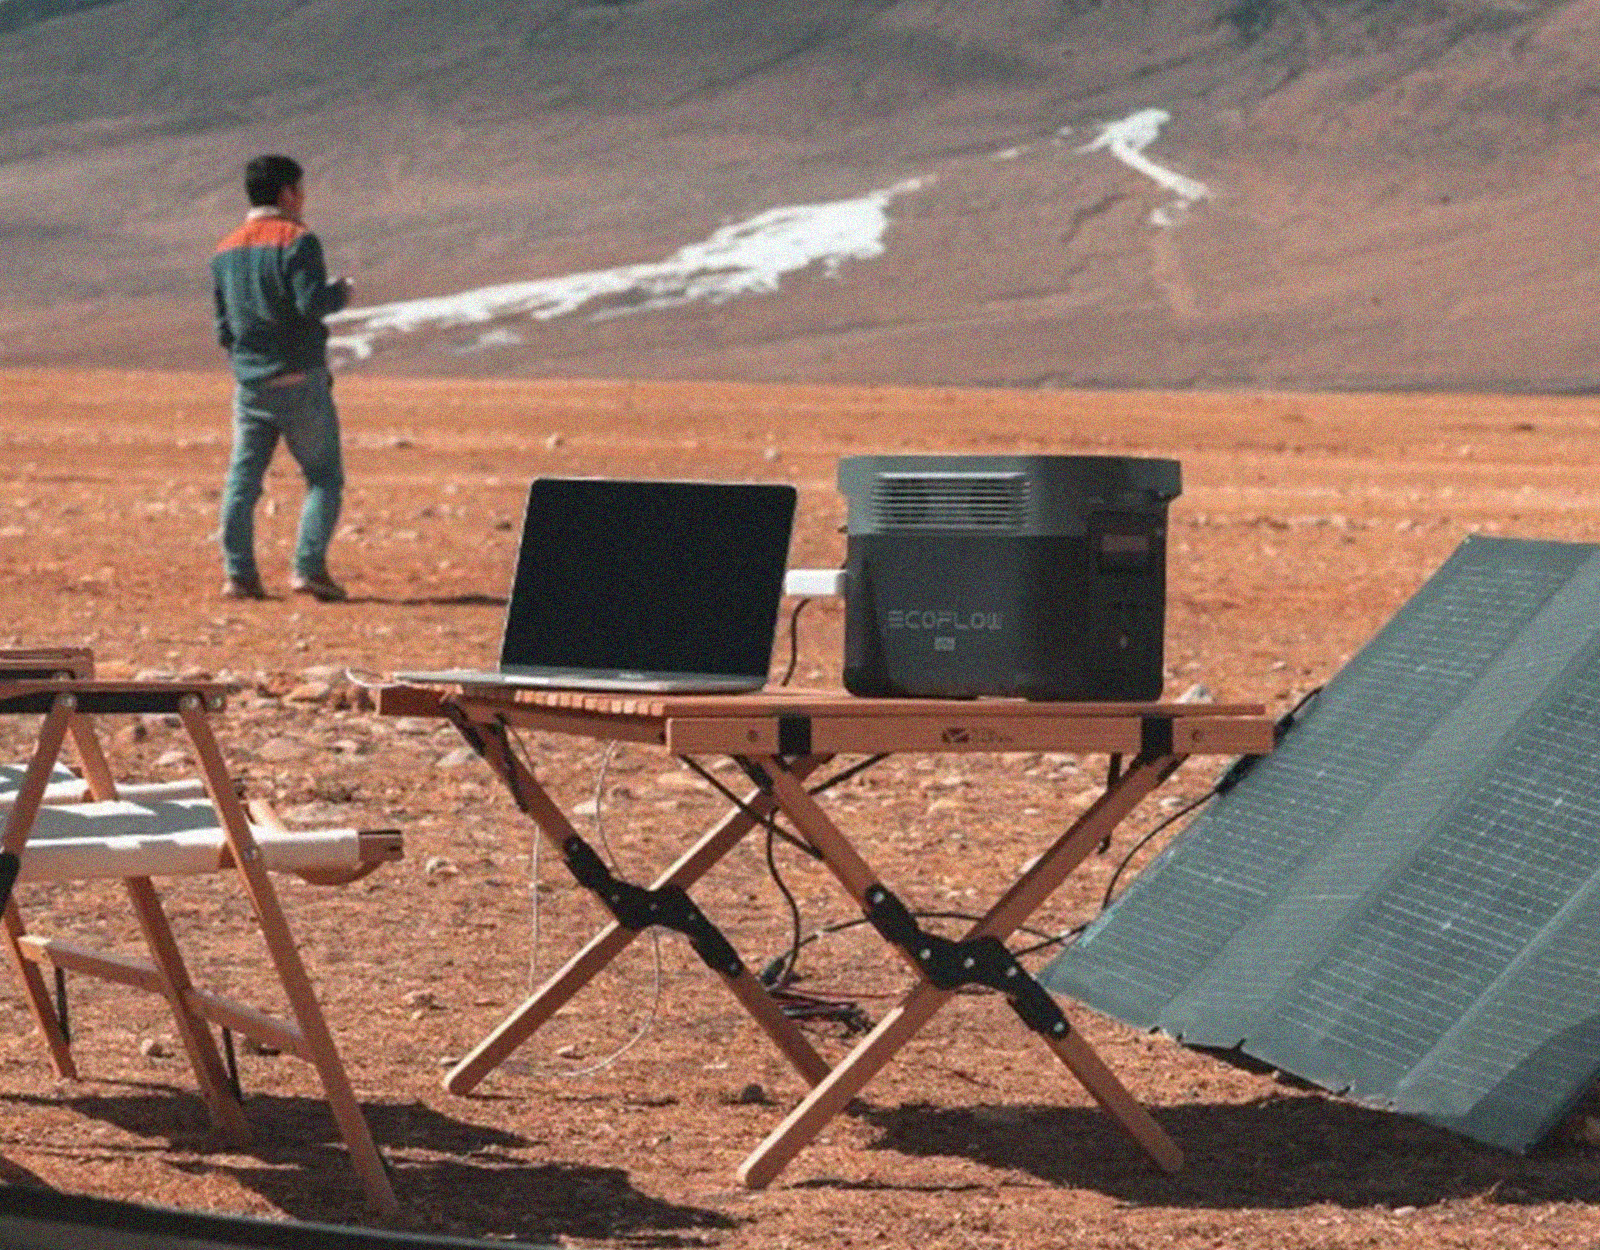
(741, 259)
(1127, 139)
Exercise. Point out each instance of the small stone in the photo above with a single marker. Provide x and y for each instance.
(568, 1052)
(751, 1094)
(420, 998)
(770, 455)
(447, 1061)
(553, 441)
(439, 866)
(415, 725)
(280, 750)
(588, 807)
(260, 1048)
(456, 758)
(946, 804)
(1197, 693)
(172, 758)
(155, 1048)
(309, 692)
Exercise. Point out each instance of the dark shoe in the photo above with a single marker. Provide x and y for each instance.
(321, 587)
(243, 588)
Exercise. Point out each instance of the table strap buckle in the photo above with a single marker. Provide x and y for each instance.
(638, 908)
(950, 965)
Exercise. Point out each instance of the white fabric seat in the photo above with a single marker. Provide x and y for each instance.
(67, 787)
(180, 838)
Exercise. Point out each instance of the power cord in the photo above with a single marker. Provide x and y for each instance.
(533, 955)
(1232, 776)
(794, 640)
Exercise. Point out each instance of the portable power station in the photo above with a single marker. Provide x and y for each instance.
(1035, 577)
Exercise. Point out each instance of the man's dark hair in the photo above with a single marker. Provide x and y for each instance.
(265, 177)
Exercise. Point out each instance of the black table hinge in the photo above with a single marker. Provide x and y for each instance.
(466, 728)
(1155, 737)
(794, 736)
(637, 908)
(478, 738)
(949, 964)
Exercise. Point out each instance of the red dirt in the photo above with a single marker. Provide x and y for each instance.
(1305, 521)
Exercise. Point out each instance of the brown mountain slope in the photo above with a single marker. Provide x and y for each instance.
(1398, 194)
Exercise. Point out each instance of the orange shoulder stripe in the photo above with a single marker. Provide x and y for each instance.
(263, 232)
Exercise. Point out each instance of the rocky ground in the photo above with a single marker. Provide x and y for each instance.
(1305, 521)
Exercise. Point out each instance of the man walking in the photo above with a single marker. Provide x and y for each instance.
(272, 291)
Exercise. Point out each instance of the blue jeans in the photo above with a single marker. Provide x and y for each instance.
(303, 415)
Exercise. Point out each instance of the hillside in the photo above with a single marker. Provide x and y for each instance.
(1385, 194)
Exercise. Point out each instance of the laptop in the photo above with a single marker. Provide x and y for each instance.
(642, 585)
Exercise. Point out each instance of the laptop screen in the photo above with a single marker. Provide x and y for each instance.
(653, 577)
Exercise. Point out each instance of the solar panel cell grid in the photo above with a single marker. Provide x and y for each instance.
(1385, 904)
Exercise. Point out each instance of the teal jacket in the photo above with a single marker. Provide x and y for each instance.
(272, 291)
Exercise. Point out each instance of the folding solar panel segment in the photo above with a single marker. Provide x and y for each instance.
(1397, 902)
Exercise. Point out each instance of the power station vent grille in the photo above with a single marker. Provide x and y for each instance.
(950, 501)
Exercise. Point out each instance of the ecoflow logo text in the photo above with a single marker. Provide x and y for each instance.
(944, 623)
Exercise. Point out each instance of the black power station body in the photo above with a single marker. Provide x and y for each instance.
(1035, 577)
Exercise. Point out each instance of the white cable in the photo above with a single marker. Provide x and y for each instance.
(655, 937)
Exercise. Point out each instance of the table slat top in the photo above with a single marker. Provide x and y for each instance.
(784, 701)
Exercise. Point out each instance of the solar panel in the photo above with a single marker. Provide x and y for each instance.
(1401, 901)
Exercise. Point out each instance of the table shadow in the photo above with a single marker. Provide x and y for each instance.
(452, 1177)
(1286, 1150)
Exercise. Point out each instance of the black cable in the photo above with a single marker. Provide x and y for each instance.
(794, 640)
(782, 976)
(1230, 778)
(765, 821)
(845, 774)
(839, 926)
(1122, 864)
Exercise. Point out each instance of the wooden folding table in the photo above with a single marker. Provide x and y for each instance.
(780, 738)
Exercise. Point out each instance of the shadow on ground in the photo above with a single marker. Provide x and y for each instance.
(472, 600)
(297, 1163)
(1282, 1151)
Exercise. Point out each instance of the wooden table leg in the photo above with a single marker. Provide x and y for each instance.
(902, 1023)
(19, 823)
(531, 1015)
(606, 945)
(193, 1032)
(285, 954)
(842, 1084)
(1114, 1098)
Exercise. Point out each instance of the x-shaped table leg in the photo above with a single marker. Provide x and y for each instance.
(1012, 910)
(491, 740)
